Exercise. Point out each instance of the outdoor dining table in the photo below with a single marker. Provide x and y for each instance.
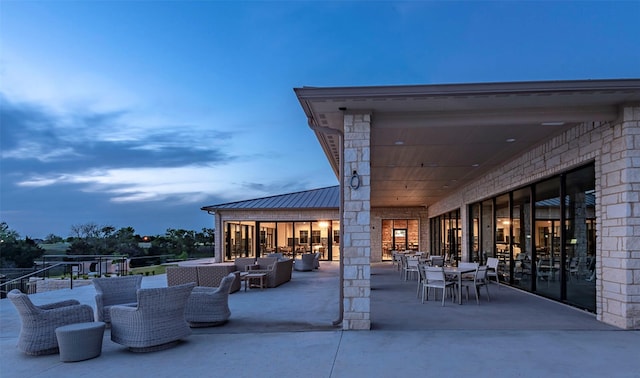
(458, 272)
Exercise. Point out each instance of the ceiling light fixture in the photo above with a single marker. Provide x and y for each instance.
(556, 123)
(399, 143)
(510, 140)
(475, 165)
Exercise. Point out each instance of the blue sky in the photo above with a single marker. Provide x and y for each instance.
(139, 113)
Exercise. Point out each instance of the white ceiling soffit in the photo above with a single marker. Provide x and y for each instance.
(428, 141)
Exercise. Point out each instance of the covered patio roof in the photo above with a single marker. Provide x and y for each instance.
(427, 141)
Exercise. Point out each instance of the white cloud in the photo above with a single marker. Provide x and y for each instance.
(188, 184)
(31, 150)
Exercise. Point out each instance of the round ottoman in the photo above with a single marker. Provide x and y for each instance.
(80, 341)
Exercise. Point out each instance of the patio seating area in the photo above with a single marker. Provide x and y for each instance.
(298, 316)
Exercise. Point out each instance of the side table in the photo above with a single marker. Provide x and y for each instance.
(80, 341)
(253, 276)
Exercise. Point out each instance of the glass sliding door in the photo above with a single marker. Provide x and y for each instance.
(335, 245)
(487, 228)
(446, 236)
(267, 238)
(503, 237)
(547, 234)
(579, 262)
(320, 240)
(475, 211)
(521, 243)
(239, 239)
(285, 239)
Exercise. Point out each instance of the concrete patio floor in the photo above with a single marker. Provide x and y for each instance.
(288, 332)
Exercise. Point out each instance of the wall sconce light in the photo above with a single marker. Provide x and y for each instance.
(355, 181)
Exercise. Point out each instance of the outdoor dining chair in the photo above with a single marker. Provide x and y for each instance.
(492, 269)
(411, 268)
(435, 278)
(477, 282)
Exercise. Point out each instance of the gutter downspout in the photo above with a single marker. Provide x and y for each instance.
(329, 130)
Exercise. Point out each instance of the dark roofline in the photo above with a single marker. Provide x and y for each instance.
(467, 88)
(285, 200)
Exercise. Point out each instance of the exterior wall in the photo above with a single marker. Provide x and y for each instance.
(615, 148)
(356, 223)
(380, 213)
(618, 268)
(292, 215)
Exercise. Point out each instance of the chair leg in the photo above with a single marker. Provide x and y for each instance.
(487, 288)
(477, 290)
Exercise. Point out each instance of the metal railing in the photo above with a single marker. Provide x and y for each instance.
(22, 283)
(80, 261)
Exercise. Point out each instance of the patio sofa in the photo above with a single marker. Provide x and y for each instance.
(203, 275)
(278, 271)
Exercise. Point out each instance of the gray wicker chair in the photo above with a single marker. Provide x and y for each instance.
(115, 291)
(39, 323)
(208, 306)
(305, 263)
(156, 323)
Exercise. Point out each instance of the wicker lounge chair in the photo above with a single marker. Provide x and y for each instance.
(39, 323)
(115, 291)
(208, 306)
(305, 263)
(156, 323)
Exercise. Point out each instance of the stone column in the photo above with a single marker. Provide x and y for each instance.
(356, 226)
(618, 263)
(218, 238)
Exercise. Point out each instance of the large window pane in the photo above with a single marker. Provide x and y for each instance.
(547, 233)
(580, 238)
(487, 230)
(521, 240)
(503, 237)
(474, 235)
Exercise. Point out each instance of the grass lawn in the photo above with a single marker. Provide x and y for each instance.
(149, 270)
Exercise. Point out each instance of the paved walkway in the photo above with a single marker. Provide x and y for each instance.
(288, 332)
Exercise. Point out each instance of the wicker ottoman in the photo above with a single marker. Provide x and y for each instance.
(80, 341)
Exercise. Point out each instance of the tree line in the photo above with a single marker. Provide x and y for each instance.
(91, 239)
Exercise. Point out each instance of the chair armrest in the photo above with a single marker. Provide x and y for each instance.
(50, 306)
(72, 314)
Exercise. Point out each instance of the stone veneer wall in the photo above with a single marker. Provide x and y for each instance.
(615, 148)
(356, 226)
(618, 268)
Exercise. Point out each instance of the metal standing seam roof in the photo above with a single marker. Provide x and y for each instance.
(323, 198)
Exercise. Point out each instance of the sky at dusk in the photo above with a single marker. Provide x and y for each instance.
(138, 113)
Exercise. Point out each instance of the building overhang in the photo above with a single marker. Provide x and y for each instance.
(429, 140)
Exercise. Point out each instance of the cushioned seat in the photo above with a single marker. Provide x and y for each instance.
(305, 263)
(208, 306)
(156, 323)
